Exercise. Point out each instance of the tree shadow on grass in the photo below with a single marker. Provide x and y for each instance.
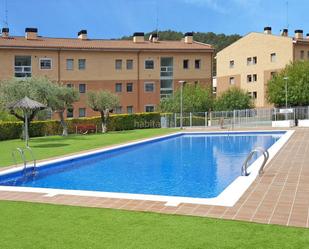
(51, 145)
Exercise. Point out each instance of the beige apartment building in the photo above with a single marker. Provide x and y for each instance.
(253, 60)
(140, 71)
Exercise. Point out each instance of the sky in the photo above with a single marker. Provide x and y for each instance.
(115, 18)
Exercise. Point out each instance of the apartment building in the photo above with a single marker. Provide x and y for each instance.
(252, 61)
(140, 71)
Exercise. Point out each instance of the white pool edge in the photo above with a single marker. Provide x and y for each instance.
(227, 198)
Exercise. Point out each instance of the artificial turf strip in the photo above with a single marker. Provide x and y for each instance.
(43, 226)
(53, 146)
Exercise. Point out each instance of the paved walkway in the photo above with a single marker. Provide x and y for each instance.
(280, 196)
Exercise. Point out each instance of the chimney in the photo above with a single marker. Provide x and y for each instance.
(299, 34)
(307, 36)
(188, 37)
(154, 37)
(138, 37)
(267, 30)
(5, 32)
(82, 34)
(285, 32)
(31, 33)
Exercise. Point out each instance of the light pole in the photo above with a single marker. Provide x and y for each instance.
(181, 82)
(286, 96)
(286, 92)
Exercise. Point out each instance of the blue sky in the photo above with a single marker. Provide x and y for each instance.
(115, 18)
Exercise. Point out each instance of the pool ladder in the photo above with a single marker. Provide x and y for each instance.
(245, 166)
(23, 157)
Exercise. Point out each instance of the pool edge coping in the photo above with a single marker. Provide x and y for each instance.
(227, 198)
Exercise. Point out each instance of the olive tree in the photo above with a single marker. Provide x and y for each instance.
(233, 99)
(196, 98)
(39, 89)
(103, 102)
(63, 98)
(295, 77)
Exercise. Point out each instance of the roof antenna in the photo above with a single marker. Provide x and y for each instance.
(287, 14)
(6, 24)
(157, 18)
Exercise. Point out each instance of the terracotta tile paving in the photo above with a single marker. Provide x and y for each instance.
(280, 196)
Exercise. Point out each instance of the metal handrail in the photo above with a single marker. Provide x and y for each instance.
(22, 155)
(245, 165)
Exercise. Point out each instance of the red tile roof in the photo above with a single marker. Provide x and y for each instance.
(70, 43)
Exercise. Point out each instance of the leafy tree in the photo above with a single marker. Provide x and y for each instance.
(103, 102)
(195, 99)
(40, 89)
(296, 75)
(64, 97)
(233, 99)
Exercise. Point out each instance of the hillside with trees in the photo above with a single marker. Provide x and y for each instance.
(219, 41)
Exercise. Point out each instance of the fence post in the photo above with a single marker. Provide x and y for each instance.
(206, 119)
(175, 119)
(191, 119)
(234, 118)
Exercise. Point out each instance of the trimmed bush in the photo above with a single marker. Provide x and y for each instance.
(117, 122)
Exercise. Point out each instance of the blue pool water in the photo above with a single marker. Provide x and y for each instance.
(195, 165)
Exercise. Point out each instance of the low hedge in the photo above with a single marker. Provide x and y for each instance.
(117, 122)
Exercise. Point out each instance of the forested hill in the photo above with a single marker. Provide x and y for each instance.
(219, 41)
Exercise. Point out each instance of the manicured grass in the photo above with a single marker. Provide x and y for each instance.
(46, 147)
(42, 226)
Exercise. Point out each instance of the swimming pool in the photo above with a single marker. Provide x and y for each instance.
(184, 165)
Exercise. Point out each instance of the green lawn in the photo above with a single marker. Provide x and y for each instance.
(46, 147)
(42, 226)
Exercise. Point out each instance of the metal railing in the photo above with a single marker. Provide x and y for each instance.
(262, 117)
(23, 157)
(245, 165)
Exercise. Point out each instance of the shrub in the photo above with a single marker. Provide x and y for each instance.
(117, 122)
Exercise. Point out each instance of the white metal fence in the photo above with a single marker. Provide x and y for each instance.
(261, 117)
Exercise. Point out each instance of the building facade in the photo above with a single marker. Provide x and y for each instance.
(140, 71)
(252, 61)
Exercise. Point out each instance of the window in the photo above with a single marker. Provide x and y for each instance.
(130, 109)
(273, 74)
(254, 77)
(249, 78)
(129, 64)
(70, 113)
(232, 64)
(302, 54)
(249, 61)
(254, 60)
(22, 66)
(252, 95)
(82, 88)
(149, 108)
(129, 87)
(149, 64)
(82, 112)
(185, 64)
(149, 87)
(273, 57)
(70, 85)
(118, 109)
(81, 64)
(197, 64)
(45, 64)
(70, 64)
(118, 64)
(118, 87)
(232, 81)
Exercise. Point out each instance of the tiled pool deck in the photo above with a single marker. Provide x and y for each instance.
(280, 196)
